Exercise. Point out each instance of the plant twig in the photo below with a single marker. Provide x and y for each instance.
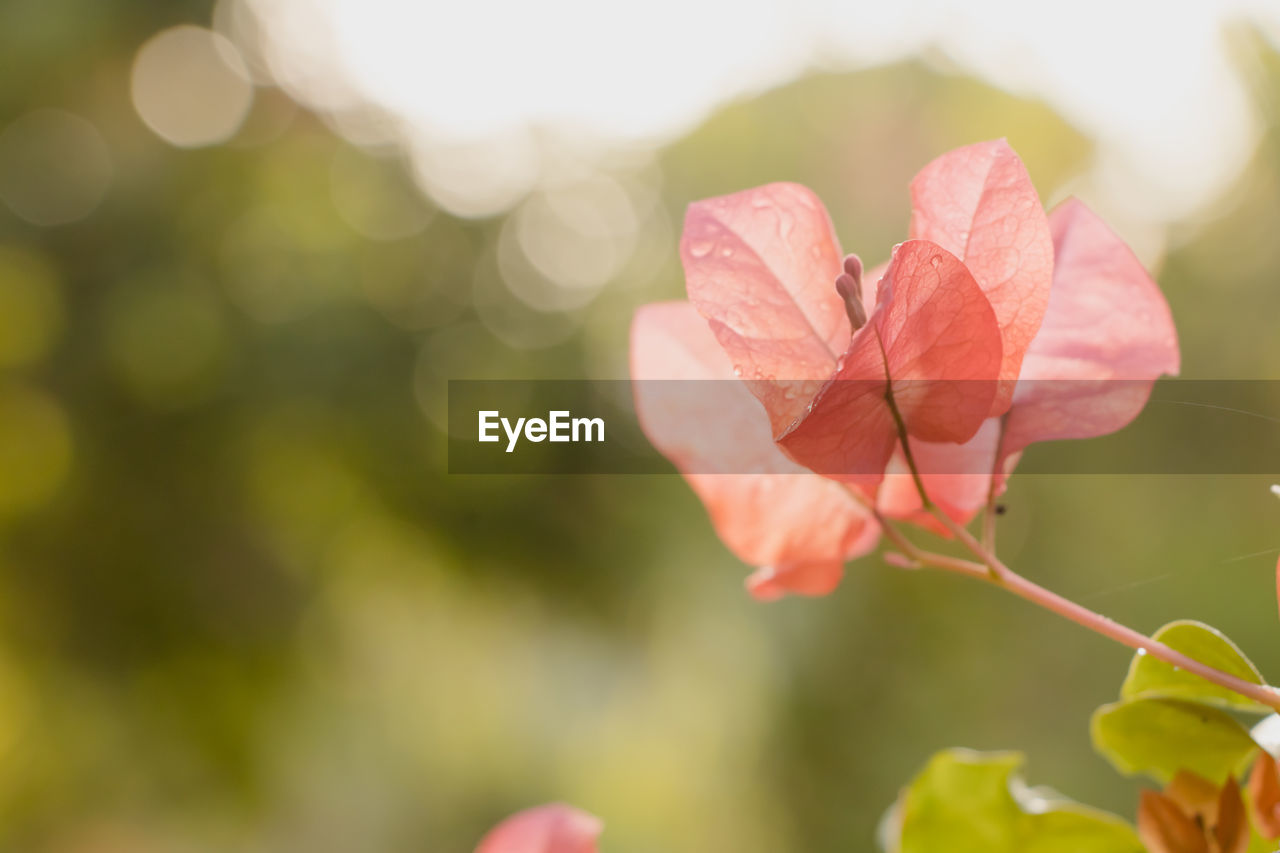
(1003, 576)
(989, 518)
(991, 569)
(989, 514)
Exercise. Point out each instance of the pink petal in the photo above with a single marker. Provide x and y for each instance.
(770, 583)
(934, 332)
(760, 265)
(979, 203)
(871, 282)
(956, 476)
(1107, 321)
(768, 510)
(554, 828)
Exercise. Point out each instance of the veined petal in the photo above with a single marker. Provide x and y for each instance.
(978, 202)
(957, 478)
(934, 333)
(760, 265)
(941, 342)
(767, 509)
(1107, 336)
(554, 828)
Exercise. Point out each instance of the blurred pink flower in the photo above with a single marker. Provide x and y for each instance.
(553, 828)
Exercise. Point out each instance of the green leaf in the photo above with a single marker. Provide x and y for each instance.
(1150, 677)
(1159, 737)
(972, 802)
(1074, 827)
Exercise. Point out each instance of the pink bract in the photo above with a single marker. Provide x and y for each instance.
(800, 528)
(1107, 321)
(553, 828)
(978, 202)
(760, 267)
(1107, 336)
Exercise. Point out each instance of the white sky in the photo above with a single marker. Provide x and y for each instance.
(477, 86)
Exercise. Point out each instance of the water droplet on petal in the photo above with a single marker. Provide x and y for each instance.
(786, 224)
(700, 248)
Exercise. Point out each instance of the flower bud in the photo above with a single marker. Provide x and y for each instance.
(849, 286)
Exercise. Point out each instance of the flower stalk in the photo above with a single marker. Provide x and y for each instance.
(992, 569)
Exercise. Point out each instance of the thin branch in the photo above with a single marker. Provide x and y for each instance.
(989, 514)
(989, 518)
(998, 573)
(911, 549)
(1003, 576)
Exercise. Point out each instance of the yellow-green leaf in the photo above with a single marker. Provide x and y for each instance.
(965, 802)
(1073, 827)
(1150, 677)
(1159, 737)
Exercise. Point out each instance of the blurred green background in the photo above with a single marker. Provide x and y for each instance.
(243, 607)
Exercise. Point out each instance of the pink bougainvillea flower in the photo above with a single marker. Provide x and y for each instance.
(820, 349)
(1106, 337)
(554, 828)
(761, 267)
(798, 527)
(837, 367)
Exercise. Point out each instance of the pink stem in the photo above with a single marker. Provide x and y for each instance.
(1001, 575)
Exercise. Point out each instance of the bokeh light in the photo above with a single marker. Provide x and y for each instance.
(191, 87)
(55, 167)
(478, 177)
(579, 236)
(526, 76)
